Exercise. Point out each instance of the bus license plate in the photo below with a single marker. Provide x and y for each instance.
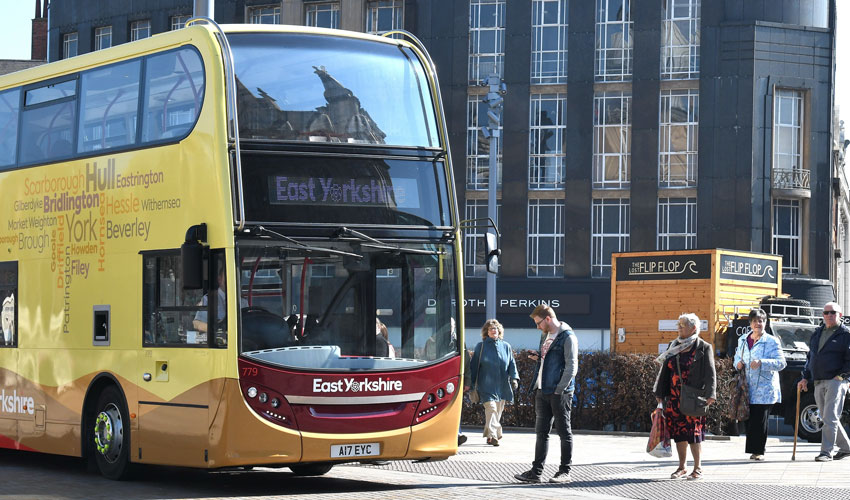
(355, 450)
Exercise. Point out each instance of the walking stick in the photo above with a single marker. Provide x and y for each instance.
(796, 425)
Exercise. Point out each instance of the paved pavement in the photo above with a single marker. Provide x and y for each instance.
(617, 466)
(606, 466)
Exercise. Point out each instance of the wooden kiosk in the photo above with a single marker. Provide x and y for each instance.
(650, 290)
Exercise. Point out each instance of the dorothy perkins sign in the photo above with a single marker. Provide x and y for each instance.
(664, 267)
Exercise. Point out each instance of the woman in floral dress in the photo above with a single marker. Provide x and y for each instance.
(695, 359)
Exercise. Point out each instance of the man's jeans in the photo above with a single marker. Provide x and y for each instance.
(549, 408)
(829, 396)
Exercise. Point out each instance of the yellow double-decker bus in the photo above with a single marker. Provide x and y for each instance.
(227, 246)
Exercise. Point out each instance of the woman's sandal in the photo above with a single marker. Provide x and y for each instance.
(696, 474)
(679, 473)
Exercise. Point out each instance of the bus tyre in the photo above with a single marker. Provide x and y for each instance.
(810, 421)
(319, 469)
(110, 435)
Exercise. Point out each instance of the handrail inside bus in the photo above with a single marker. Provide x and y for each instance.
(232, 118)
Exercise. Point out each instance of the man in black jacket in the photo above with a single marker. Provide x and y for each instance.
(828, 367)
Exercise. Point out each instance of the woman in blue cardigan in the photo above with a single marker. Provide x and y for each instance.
(761, 356)
(494, 372)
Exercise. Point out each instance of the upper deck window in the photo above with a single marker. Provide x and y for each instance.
(174, 91)
(48, 122)
(9, 107)
(109, 105)
(312, 88)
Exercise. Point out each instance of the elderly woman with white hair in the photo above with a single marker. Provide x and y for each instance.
(688, 361)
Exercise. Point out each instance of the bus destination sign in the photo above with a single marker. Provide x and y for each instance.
(737, 267)
(664, 267)
(343, 191)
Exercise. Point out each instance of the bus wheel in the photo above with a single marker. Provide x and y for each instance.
(319, 469)
(810, 421)
(110, 434)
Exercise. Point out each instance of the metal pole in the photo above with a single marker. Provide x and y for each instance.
(494, 119)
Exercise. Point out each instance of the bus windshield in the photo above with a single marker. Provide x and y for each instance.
(347, 305)
(311, 88)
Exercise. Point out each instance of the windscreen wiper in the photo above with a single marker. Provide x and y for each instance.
(380, 245)
(264, 232)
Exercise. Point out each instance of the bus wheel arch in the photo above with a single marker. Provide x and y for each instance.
(106, 428)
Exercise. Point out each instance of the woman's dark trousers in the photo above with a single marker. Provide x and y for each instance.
(757, 428)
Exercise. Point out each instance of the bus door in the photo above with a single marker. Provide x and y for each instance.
(181, 367)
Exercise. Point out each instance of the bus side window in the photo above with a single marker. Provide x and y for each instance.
(174, 91)
(169, 310)
(8, 296)
(9, 108)
(109, 106)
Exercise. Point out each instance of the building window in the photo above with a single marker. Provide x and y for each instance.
(178, 22)
(610, 233)
(384, 15)
(264, 14)
(322, 15)
(547, 131)
(139, 30)
(611, 139)
(549, 26)
(102, 37)
(680, 39)
(473, 240)
(478, 146)
(613, 40)
(677, 223)
(486, 39)
(786, 233)
(545, 250)
(678, 138)
(788, 168)
(69, 45)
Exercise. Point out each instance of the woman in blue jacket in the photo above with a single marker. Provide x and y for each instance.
(494, 374)
(761, 356)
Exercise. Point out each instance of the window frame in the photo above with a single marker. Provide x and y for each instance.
(256, 13)
(66, 44)
(313, 9)
(666, 129)
(476, 29)
(373, 10)
(600, 126)
(178, 21)
(136, 29)
(102, 33)
(599, 267)
(540, 56)
(665, 205)
(12, 268)
(795, 241)
(535, 237)
(602, 73)
(537, 158)
(478, 164)
(668, 20)
(212, 259)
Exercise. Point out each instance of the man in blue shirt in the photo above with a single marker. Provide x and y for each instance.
(553, 386)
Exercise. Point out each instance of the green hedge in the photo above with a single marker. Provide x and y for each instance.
(613, 392)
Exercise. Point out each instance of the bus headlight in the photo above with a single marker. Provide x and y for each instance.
(450, 388)
(263, 397)
(252, 392)
(275, 402)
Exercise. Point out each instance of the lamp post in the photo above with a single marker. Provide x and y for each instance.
(495, 101)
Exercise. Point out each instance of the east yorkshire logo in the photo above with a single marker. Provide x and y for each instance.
(13, 403)
(352, 385)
